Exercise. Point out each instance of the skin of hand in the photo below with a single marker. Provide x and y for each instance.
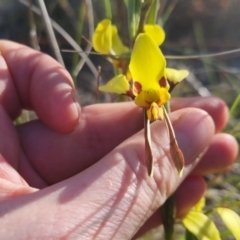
(80, 173)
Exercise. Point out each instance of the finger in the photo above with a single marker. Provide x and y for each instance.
(35, 81)
(215, 107)
(221, 153)
(103, 127)
(10, 190)
(11, 183)
(184, 202)
(114, 197)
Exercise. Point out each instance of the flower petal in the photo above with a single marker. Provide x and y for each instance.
(175, 76)
(156, 32)
(146, 97)
(118, 47)
(140, 100)
(147, 64)
(199, 205)
(118, 84)
(231, 220)
(201, 226)
(102, 37)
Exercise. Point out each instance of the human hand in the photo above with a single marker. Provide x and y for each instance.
(81, 174)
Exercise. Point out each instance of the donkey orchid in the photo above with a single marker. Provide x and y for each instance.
(106, 39)
(150, 88)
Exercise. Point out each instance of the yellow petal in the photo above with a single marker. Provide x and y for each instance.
(175, 76)
(102, 37)
(146, 97)
(118, 47)
(147, 64)
(201, 226)
(231, 220)
(199, 205)
(118, 84)
(140, 100)
(156, 32)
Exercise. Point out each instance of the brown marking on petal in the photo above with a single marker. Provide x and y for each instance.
(130, 94)
(172, 86)
(163, 82)
(120, 64)
(137, 87)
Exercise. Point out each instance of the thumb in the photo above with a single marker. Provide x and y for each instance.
(114, 197)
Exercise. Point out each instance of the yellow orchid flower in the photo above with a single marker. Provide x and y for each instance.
(147, 67)
(106, 39)
(150, 88)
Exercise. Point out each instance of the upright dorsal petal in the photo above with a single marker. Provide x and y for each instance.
(156, 32)
(147, 64)
(102, 37)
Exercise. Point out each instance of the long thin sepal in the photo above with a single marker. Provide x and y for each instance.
(176, 153)
(148, 145)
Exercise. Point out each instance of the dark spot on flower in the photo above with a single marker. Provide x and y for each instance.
(137, 87)
(163, 82)
(130, 94)
(120, 64)
(172, 86)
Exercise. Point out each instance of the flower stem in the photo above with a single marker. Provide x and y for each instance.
(168, 217)
(168, 208)
(146, 6)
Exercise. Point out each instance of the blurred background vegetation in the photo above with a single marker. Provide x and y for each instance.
(192, 27)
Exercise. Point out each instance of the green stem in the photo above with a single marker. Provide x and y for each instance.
(168, 217)
(152, 15)
(108, 9)
(168, 208)
(146, 6)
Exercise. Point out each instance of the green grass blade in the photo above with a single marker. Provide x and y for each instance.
(235, 106)
(108, 10)
(152, 15)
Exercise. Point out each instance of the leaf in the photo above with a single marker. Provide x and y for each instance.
(231, 219)
(152, 15)
(201, 226)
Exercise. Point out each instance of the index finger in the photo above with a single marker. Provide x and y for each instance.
(32, 80)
